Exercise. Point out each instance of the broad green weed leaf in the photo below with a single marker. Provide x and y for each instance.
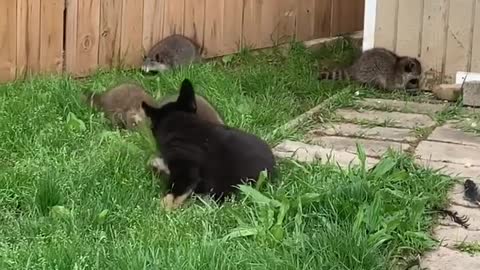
(257, 196)
(241, 232)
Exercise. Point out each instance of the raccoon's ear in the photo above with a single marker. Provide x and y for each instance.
(149, 110)
(186, 98)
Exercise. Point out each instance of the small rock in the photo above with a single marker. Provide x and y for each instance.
(471, 93)
(448, 92)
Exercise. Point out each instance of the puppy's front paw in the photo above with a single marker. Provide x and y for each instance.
(168, 202)
(159, 165)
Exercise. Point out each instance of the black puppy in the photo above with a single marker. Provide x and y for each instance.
(204, 157)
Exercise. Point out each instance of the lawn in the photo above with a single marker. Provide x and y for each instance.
(77, 194)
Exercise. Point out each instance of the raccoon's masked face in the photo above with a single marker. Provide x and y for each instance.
(157, 64)
(185, 103)
(411, 72)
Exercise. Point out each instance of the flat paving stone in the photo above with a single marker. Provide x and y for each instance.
(309, 153)
(448, 152)
(449, 134)
(452, 169)
(450, 236)
(373, 148)
(403, 106)
(449, 259)
(354, 130)
(391, 119)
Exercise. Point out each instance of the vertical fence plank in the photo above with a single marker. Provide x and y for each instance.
(153, 11)
(110, 33)
(231, 34)
(174, 17)
(475, 62)
(459, 38)
(347, 16)
(259, 23)
(305, 26)
(386, 24)
(28, 37)
(410, 14)
(433, 40)
(223, 27)
(132, 33)
(51, 33)
(213, 27)
(286, 20)
(195, 20)
(87, 40)
(323, 21)
(71, 28)
(8, 40)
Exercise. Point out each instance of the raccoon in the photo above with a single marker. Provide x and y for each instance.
(122, 104)
(381, 68)
(205, 110)
(203, 157)
(171, 52)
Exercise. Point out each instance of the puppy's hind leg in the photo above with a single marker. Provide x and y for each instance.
(184, 177)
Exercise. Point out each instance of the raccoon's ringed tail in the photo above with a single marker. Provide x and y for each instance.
(324, 75)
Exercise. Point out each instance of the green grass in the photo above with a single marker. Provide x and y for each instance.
(76, 194)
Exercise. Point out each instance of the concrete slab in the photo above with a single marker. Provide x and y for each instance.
(373, 148)
(354, 130)
(450, 236)
(449, 259)
(448, 152)
(309, 153)
(449, 134)
(389, 119)
(402, 106)
(452, 169)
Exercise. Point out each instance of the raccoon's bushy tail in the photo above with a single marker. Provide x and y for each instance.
(334, 75)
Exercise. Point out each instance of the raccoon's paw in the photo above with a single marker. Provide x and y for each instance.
(159, 165)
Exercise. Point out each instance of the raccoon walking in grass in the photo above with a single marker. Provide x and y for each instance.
(203, 157)
(171, 52)
(121, 104)
(381, 68)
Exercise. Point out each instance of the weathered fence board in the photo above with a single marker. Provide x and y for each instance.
(50, 36)
(8, 40)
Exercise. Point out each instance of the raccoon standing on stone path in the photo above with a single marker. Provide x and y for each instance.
(121, 104)
(381, 68)
(173, 51)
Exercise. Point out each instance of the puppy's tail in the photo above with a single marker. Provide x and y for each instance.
(334, 75)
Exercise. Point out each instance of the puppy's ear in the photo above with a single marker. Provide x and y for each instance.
(149, 110)
(186, 98)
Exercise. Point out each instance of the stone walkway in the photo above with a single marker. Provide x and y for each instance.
(383, 124)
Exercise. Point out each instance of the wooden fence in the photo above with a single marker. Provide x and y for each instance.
(444, 34)
(78, 36)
